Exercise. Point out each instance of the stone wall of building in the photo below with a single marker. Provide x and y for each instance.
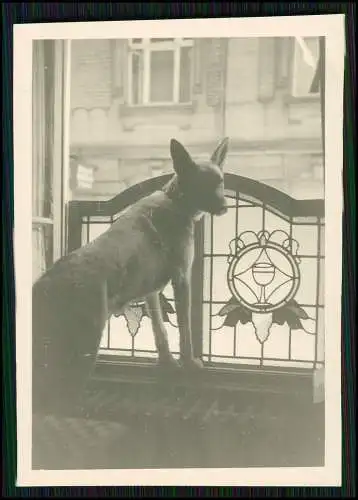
(274, 137)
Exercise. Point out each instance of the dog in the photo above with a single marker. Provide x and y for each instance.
(148, 246)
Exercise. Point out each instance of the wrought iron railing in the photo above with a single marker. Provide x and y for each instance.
(258, 281)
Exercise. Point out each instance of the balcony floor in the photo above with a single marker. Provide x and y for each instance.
(142, 426)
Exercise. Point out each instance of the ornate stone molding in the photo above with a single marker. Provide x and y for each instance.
(266, 81)
(283, 57)
(215, 73)
(119, 68)
(197, 66)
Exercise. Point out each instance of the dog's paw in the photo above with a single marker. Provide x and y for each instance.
(168, 362)
(192, 363)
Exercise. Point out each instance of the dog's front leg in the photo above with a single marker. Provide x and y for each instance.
(182, 295)
(159, 330)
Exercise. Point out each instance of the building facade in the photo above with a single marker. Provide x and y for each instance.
(130, 97)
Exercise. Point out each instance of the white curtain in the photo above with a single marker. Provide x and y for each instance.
(38, 160)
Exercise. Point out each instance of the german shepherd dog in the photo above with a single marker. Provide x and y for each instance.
(148, 246)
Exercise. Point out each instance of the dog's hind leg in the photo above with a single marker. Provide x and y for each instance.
(159, 330)
(67, 330)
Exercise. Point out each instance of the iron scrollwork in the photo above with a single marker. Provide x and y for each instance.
(136, 311)
(263, 277)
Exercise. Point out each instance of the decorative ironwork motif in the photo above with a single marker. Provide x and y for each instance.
(136, 311)
(264, 277)
(223, 324)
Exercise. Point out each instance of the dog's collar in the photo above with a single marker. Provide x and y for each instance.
(175, 194)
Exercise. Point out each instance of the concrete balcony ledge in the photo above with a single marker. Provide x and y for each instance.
(295, 384)
(155, 109)
(126, 149)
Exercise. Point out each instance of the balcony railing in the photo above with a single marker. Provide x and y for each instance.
(258, 284)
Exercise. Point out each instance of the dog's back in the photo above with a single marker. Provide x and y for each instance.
(150, 244)
(73, 300)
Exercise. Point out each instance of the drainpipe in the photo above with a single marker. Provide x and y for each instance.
(322, 61)
(226, 42)
(319, 81)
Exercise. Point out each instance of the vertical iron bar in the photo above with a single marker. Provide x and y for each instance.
(88, 228)
(211, 282)
(109, 319)
(263, 216)
(132, 346)
(317, 287)
(290, 329)
(197, 287)
(263, 229)
(236, 327)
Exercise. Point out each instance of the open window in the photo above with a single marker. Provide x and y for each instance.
(50, 152)
(305, 62)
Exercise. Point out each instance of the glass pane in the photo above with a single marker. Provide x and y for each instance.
(304, 71)
(49, 120)
(161, 76)
(224, 231)
(222, 337)
(307, 292)
(144, 339)
(249, 219)
(104, 344)
(277, 344)
(137, 77)
(96, 230)
(220, 289)
(302, 345)
(43, 118)
(323, 241)
(207, 234)
(307, 239)
(168, 291)
(206, 328)
(321, 283)
(185, 74)
(121, 339)
(275, 223)
(320, 335)
(42, 249)
(207, 289)
(247, 344)
(92, 231)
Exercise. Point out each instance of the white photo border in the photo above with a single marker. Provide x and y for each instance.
(330, 26)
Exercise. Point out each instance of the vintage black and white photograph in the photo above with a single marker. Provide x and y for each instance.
(178, 188)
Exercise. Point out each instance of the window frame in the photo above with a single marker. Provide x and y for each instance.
(59, 153)
(147, 47)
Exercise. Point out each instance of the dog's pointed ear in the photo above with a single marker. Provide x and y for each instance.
(182, 160)
(219, 155)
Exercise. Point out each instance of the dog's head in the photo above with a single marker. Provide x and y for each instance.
(201, 183)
